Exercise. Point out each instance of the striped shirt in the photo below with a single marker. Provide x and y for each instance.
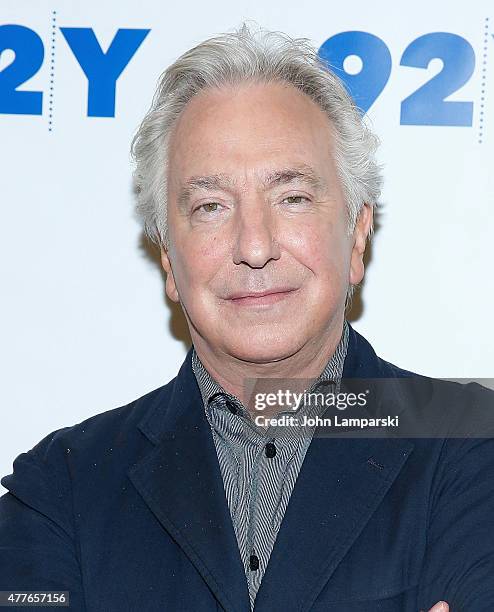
(260, 466)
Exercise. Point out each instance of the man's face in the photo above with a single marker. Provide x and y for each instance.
(255, 206)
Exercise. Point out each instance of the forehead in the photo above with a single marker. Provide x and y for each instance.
(249, 128)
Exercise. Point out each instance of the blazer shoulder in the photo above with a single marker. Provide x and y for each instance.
(397, 372)
(117, 426)
(460, 411)
(473, 388)
(104, 445)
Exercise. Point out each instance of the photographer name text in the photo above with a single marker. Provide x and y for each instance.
(289, 420)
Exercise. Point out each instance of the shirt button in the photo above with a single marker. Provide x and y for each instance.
(231, 406)
(270, 450)
(254, 562)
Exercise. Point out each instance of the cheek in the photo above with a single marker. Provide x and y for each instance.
(196, 262)
(323, 248)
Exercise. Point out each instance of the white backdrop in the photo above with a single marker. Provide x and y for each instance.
(85, 323)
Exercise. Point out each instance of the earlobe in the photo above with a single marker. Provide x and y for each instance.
(170, 285)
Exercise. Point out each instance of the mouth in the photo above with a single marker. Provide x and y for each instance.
(263, 298)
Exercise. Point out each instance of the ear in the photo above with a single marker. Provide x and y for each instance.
(170, 285)
(360, 233)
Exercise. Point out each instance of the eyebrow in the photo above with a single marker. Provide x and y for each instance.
(303, 173)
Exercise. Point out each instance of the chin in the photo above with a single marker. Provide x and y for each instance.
(262, 347)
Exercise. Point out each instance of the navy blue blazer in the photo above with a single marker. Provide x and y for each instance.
(127, 512)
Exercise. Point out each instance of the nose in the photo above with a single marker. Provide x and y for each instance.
(255, 240)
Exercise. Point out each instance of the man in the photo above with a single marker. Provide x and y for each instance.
(257, 178)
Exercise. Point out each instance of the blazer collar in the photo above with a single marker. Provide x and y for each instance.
(181, 482)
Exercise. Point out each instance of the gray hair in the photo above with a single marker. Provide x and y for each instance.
(262, 57)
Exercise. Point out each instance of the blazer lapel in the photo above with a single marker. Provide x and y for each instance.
(341, 483)
(181, 482)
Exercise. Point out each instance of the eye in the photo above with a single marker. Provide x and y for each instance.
(208, 207)
(295, 197)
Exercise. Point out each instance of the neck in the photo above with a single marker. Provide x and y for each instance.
(297, 371)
